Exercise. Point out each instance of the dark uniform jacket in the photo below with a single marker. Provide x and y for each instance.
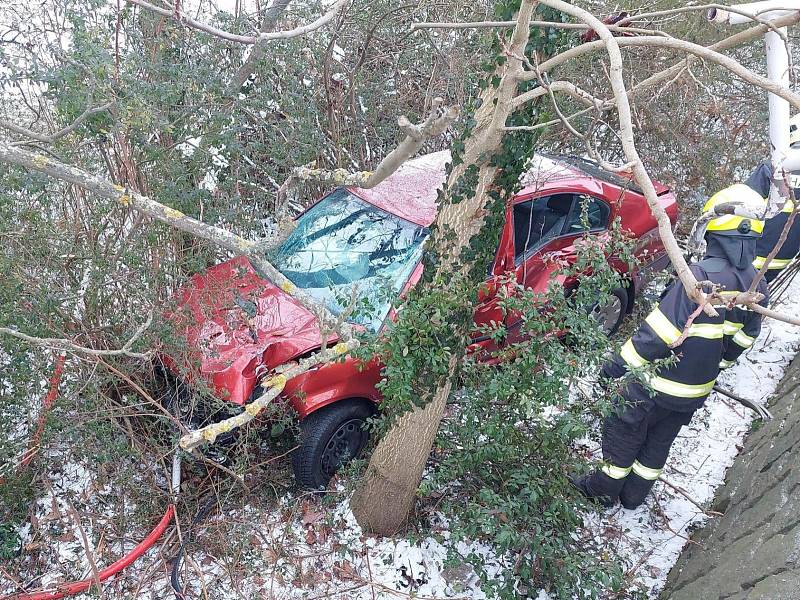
(760, 181)
(712, 342)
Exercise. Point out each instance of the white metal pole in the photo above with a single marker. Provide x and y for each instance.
(777, 71)
(770, 9)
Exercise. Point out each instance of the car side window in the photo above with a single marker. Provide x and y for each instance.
(539, 220)
(597, 214)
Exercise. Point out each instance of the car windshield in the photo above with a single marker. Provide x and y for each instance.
(343, 242)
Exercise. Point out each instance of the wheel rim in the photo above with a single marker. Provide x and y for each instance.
(608, 314)
(344, 445)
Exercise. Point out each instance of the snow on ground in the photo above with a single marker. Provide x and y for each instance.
(299, 548)
(651, 537)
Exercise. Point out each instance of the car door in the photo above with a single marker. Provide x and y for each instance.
(488, 310)
(546, 224)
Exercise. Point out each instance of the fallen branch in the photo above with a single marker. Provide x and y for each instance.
(439, 119)
(657, 79)
(685, 494)
(175, 218)
(68, 346)
(703, 52)
(273, 387)
(772, 314)
(510, 24)
(631, 153)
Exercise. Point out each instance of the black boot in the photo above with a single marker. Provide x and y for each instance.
(635, 491)
(582, 483)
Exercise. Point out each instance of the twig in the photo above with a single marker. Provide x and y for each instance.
(689, 321)
(63, 344)
(438, 120)
(685, 494)
(89, 554)
(510, 24)
(48, 138)
(369, 570)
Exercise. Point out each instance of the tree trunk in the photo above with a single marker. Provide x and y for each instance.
(386, 496)
(382, 504)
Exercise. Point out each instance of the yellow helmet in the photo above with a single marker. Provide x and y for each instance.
(736, 210)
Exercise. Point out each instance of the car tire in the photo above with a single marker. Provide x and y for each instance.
(612, 313)
(329, 438)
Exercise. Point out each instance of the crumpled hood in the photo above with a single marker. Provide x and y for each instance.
(240, 326)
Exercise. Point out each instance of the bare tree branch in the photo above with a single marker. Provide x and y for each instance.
(49, 138)
(620, 26)
(268, 24)
(66, 345)
(703, 52)
(273, 386)
(245, 39)
(632, 155)
(439, 119)
(657, 79)
(773, 314)
(508, 24)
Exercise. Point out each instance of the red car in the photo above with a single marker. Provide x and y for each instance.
(241, 326)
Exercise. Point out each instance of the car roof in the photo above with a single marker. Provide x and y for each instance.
(411, 191)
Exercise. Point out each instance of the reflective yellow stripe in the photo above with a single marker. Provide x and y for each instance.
(681, 390)
(615, 472)
(788, 207)
(668, 333)
(631, 356)
(645, 472)
(732, 222)
(711, 331)
(775, 263)
(731, 327)
(743, 340)
(724, 364)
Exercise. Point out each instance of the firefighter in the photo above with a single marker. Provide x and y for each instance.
(760, 180)
(638, 435)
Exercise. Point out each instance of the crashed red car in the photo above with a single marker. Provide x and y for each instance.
(241, 326)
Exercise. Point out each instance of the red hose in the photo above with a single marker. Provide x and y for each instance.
(70, 589)
(76, 587)
(52, 394)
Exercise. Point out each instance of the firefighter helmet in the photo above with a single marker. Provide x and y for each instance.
(737, 210)
(794, 130)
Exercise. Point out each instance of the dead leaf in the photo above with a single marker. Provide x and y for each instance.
(270, 556)
(311, 537)
(310, 517)
(323, 533)
(67, 536)
(346, 571)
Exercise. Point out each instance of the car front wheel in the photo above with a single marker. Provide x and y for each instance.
(611, 313)
(329, 438)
